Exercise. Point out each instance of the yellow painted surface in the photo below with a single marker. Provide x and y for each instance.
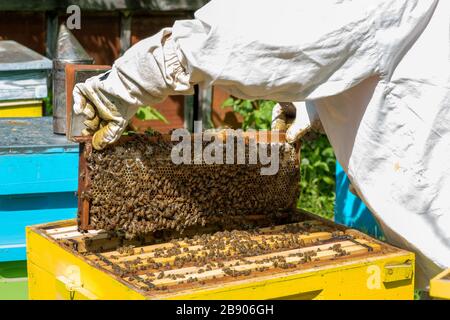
(21, 109)
(440, 285)
(47, 263)
(354, 280)
(55, 273)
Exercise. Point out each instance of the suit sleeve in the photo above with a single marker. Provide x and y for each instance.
(281, 50)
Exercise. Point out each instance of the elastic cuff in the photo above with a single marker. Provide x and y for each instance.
(175, 73)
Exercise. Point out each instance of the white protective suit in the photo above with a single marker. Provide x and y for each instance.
(376, 71)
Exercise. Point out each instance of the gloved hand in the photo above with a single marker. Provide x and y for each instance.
(296, 118)
(106, 120)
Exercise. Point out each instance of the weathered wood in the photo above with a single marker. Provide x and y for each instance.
(51, 34)
(103, 5)
(125, 31)
(16, 85)
(23, 72)
(83, 184)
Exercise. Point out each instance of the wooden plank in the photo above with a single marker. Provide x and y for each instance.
(303, 224)
(83, 184)
(326, 253)
(255, 259)
(188, 270)
(66, 235)
(61, 230)
(217, 273)
(268, 231)
(149, 251)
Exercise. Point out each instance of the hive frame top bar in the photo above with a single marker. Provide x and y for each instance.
(258, 136)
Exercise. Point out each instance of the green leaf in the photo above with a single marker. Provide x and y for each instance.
(328, 152)
(328, 180)
(321, 165)
(150, 113)
(228, 103)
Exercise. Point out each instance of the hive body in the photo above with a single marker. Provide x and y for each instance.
(308, 259)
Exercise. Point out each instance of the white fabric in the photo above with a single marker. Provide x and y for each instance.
(378, 72)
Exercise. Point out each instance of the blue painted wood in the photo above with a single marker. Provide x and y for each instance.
(19, 211)
(38, 173)
(349, 210)
(38, 180)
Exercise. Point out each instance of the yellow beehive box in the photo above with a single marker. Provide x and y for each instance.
(440, 285)
(21, 109)
(61, 266)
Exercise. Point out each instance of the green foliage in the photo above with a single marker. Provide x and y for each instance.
(150, 113)
(146, 113)
(317, 183)
(48, 104)
(256, 114)
(318, 162)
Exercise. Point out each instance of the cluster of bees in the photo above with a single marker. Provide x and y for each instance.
(223, 251)
(340, 252)
(136, 189)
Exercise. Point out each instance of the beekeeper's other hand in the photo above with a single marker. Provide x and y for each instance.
(296, 118)
(105, 119)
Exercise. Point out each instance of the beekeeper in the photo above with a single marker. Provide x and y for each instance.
(376, 74)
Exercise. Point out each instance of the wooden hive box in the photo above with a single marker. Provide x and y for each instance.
(440, 285)
(327, 261)
(23, 80)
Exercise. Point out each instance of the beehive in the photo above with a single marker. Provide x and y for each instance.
(135, 187)
(303, 257)
(440, 285)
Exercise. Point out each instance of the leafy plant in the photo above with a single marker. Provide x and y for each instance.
(48, 104)
(318, 163)
(256, 114)
(145, 113)
(317, 183)
(150, 113)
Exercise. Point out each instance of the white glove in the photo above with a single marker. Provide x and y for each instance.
(106, 120)
(296, 118)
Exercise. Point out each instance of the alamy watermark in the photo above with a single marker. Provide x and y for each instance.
(74, 20)
(227, 147)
